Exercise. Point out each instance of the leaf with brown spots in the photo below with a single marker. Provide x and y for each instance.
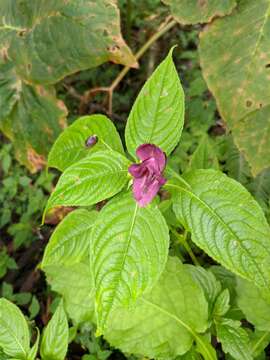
(30, 116)
(199, 11)
(49, 40)
(235, 53)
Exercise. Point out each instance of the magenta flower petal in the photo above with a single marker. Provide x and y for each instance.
(147, 175)
(147, 151)
(136, 170)
(142, 194)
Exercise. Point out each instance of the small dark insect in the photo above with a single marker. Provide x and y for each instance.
(91, 141)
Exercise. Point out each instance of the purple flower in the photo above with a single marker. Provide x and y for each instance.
(147, 175)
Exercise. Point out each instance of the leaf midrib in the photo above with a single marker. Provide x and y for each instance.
(13, 336)
(87, 178)
(174, 317)
(124, 257)
(76, 233)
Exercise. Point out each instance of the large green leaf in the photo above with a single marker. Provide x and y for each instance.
(90, 180)
(254, 303)
(235, 63)
(157, 115)
(31, 116)
(74, 283)
(52, 39)
(14, 333)
(128, 253)
(226, 222)
(70, 146)
(199, 11)
(164, 323)
(54, 341)
(234, 339)
(66, 264)
(70, 240)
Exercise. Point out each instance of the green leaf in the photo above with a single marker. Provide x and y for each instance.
(204, 157)
(165, 322)
(242, 91)
(54, 343)
(128, 253)
(208, 283)
(90, 180)
(52, 39)
(14, 333)
(32, 120)
(70, 240)
(234, 339)
(199, 11)
(70, 146)
(75, 284)
(157, 115)
(259, 340)
(34, 308)
(222, 303)
(226, 222)
(254, 303)
(66, 264)
(205, 348)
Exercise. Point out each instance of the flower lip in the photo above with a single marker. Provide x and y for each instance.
(148, 177)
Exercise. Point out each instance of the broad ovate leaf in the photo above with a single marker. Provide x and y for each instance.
(234, 339)
(165, 322)
(226, 222)
(128, 253)
(254, 303)
(70, 146)
(90, 180)
(30, 116)
(52, 39)
(14, 332)
(157, 116)
(66, 264)
(235, 63)
(199, 11)
(74, 283)
(54, 342)
(70, 241)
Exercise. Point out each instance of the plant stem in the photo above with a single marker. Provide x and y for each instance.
(143, 49)
(166, 26)
(183, 240)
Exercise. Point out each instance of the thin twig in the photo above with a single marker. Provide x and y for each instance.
(183, 241)
(165, 26)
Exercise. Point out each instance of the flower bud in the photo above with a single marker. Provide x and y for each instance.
(91, 141)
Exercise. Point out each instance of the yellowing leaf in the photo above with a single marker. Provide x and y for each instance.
(199, 11)
(235, 63)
